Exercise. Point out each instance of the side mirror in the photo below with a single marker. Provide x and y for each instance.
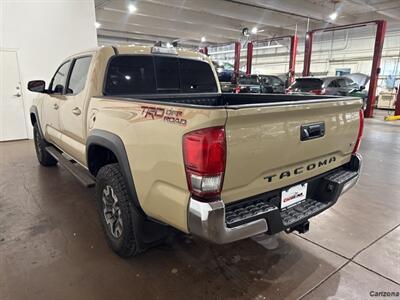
(362, 88)
(37, 86)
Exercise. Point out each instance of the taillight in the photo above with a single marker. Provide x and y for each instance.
(360, 132)
(204, 153)
(318, 92)
(237, 90)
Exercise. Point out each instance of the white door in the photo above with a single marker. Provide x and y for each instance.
(12, 114)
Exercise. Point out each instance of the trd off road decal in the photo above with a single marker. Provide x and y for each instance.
(168, 115)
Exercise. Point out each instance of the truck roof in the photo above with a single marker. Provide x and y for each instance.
(142, 49)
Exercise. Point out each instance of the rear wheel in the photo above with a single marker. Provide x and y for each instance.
(116, 211)
(44, 158)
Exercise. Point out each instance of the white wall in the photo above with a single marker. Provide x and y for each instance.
(44, 33)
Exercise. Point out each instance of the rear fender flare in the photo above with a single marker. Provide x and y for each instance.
(114, 143)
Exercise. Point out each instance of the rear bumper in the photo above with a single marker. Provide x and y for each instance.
(215, 222)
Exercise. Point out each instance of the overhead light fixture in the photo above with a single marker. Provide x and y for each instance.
(97, 25)
(132, 8)
(203, 39)
(254, 30)
(333, 16)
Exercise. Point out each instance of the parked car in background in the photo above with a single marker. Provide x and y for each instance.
(225, 71)
(266, 84)
(248, 84)
(361, 79)
(272, 84)
(335, 85)
(363, 82)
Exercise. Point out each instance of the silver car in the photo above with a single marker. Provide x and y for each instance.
(333, 85)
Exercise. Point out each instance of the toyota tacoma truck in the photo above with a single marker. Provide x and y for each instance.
(149, 128)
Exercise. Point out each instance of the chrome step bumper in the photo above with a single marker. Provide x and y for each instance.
(215, 222)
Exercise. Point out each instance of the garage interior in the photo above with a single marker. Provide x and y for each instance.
(51, 242)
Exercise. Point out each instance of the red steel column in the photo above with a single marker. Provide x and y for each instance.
(307, 53)
(397, 105)
(379, 39)
(249, 57)
(292, 59)
(236, 64)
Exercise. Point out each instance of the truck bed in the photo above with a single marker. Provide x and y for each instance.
(266, 146)
(222, 100)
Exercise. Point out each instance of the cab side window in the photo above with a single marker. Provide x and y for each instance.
(79, 74)
(350, 83)
(341, 82)
(276, 81)
(57, 85)
(333, 84)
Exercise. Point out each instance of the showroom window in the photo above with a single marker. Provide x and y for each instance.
(79, 74)
(58, 82)
(135, 74)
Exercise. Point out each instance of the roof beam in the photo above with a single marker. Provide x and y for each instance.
(226, 9)
(168, 33)
(202, 19)
(316, 13)
(118, 16)
(389, 9)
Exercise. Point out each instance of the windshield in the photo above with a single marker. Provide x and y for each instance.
(303, 84)
(146, 74)
(249, 80)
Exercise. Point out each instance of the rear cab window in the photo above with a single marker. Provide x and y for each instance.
(156, 74)
(307, 84)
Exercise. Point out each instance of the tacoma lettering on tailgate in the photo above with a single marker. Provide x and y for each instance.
(302, 169)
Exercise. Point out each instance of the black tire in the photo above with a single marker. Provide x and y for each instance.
(44, 158)
(121, 220)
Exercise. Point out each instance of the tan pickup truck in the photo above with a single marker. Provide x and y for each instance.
(164, 148)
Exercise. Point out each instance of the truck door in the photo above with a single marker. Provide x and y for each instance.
(72, 114)
(52, 103)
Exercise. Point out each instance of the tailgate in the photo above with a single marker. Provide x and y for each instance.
(265, 151)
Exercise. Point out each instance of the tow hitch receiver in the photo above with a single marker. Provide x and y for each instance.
(301, 228)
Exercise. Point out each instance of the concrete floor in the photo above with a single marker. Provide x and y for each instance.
(52, 246)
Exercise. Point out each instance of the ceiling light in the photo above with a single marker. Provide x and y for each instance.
(132, 8)
(97, 25)
(254, 30)
(203, 39)
(333, 16)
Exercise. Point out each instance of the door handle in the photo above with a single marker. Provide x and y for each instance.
(76, 111)
(55, 106)
(17, 95)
